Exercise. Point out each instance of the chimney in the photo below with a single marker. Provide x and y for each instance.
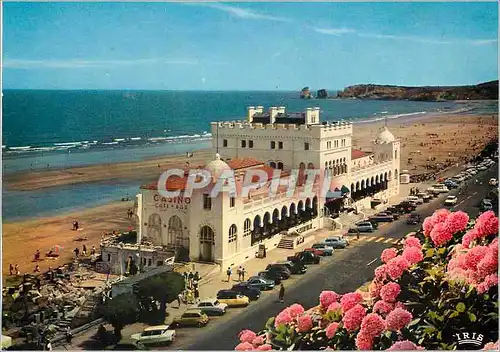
(260, 109)
(281, 110)
(251, 112)
(273, 111)
(316, 115)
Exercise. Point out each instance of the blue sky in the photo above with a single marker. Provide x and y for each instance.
(247, 46)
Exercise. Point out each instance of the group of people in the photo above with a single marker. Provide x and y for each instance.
(130, 213)
(414, 191)
(84, 251)
(240, 271)
(14, 270)
(191, 293)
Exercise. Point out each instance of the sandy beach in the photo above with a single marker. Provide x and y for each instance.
(453, 139)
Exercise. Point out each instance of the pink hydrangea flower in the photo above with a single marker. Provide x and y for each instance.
(427, 226)
(244, 346)
(412, 242)
(334, 306)
(404, 346)
(295, 310)
(381, 272)
(364, 342)
(349, 300)
(374, 288)
(487, 224)
(440, 216)
(413, 255)
(468, 238)
(383, 307)
(283, 318)
(304, 323)
(440, 234)
(388, 254)
(489, 281)
(390, 292)
(328, 297)
(474, 256)
(487, 265)
(396, 266)
(398, 319)
(259, 340)
(331, 329)
(491, 346)
(247, 336)
(373, 325)
(353, 317)
(399, 305)
(456, 221)
(265, 347)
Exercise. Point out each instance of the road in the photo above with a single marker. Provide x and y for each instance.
(346, 271)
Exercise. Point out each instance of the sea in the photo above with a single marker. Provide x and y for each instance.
(48, 129)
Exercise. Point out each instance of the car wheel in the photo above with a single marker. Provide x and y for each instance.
(200, 324)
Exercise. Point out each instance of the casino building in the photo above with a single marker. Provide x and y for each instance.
(228, 229)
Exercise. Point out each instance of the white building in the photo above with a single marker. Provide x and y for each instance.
(227, 229)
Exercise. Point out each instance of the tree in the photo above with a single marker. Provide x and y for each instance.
(120, 311)
(156, 292)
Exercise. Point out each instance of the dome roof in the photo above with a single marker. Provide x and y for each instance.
(385, 136)
(216, 167)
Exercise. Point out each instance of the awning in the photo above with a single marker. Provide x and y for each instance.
(344, 190)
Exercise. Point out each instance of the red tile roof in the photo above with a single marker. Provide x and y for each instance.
(356, 154)
(243, 163)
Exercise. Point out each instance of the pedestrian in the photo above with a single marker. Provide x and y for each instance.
(190, 278)
(77, 252)
(197, 276)
(239, 273)
(186, 282)
(196, 295)
(69, 335)
(16, 269)
(37, 269)
(282, 294)
(92, 251)
(195, 284)
(243, 272)
(76, 225)
(84, 250)
(228, 273)
(11, 269)
(179, 300)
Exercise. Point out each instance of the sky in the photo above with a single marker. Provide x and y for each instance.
(247, 46)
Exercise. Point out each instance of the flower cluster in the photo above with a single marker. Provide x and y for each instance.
(486, 224)
(249, 341)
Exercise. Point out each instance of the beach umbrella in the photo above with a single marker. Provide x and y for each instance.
(57, 248)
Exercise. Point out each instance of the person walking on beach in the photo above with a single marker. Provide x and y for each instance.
(11, 269)
(37, 269)
(77, 252)
(281, 295)
(92, 251)
(228, 273)
(84, 250)
(16, 269)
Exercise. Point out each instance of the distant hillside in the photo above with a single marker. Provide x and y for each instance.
(483, 91)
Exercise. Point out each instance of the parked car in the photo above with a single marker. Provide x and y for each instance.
(393, 209)
(426, 198)
(243, 288)
(364, 226)
(382, 218)
(211, 306)
(395, 214)
(450, 184)
(305, 258)
(415, 199)
(295, 268)
(483, 168)
(336, 242)
(438, 188)
(374, 223)
(407, 207)
(275, 276)
(458, 179)
(413, 219)
(160, 334)
(280, 269)
(191, 317)
(493, 182)
(232, 298)
(327, 250)
(450, 201)
(317, 252)
(260, 283)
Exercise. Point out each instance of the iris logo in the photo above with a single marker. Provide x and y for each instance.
(465, 339)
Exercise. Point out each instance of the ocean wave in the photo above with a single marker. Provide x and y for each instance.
(21, 148)
(390, 117)
(119, 140)
(135, 138)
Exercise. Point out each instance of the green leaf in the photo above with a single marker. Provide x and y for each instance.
(472, 316)
(441, 251)
(440, 336)
(429, 330)
(460, 307)
(454, 314)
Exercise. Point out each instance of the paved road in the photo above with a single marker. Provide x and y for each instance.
(346, 271)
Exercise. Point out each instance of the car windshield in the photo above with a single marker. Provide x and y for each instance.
(451, 197)
(152, 332)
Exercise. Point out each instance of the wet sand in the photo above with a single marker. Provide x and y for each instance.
(455, 136)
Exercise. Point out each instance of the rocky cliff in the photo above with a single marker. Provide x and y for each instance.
(483, 91)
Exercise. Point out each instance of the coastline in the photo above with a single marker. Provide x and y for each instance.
(459, 135)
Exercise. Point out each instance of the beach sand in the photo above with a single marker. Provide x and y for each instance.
(21, 239)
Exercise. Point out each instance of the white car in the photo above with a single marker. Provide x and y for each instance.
(438, 188)
(211, 306)
(415, 199)
(493, 182)
(155, 335)
(471, 171)
(450, 200)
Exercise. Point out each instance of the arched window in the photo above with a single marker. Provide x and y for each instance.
(272, 164)
(280, 165)
(233, 239)
(247, 228)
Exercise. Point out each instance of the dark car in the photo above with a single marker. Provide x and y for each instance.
(413, 219)
(280, 269)
(394, 214)
(260, 283)
(395, 210)
(294, 268)
(304, 258)
(382, 218)
(275, 276)
(407, 207)
(243, 288)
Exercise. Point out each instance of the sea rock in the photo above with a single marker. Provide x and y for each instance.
(322, 94)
